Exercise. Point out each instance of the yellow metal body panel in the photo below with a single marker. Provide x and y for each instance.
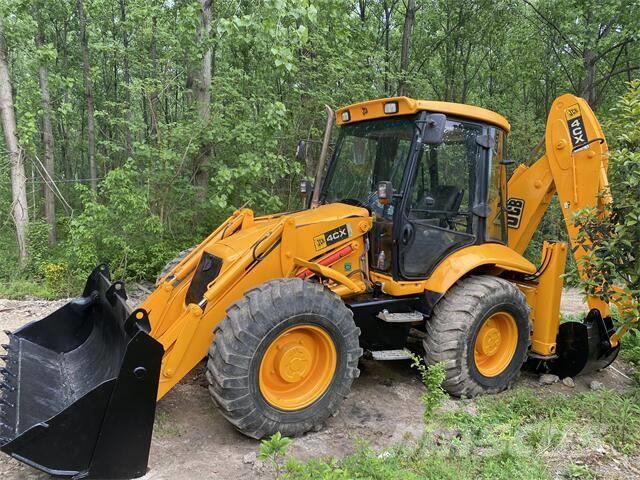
(457, 265)
(253, 251)
(545, 307)
(406, 106)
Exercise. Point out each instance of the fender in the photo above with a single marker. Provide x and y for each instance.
(457, 265)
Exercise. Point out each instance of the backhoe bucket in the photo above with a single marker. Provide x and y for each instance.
(584, 347)
(79, 387)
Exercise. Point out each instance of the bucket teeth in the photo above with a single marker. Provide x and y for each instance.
(8, 359)
(8, 333)
(6, 347)
(5, 386)
(7, 373)
(4, 401)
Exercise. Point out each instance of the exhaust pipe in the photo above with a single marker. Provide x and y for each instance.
(79, 387)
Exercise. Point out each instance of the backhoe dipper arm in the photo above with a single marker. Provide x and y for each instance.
(574, 166)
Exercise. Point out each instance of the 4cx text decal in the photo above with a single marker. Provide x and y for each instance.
(576, 125)
(332, 236)
(515, 207)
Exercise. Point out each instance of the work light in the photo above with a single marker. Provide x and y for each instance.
(391, 107)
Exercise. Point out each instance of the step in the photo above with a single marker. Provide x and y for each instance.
(402, 317)
(391, 354)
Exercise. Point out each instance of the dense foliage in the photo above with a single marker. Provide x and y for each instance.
(611, 264)
(199, 104)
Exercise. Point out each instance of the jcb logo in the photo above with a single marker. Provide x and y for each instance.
(515, 207)
(576, 125)
(572, 112)
(332, 236)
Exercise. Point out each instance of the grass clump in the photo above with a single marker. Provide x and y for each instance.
(515, 435)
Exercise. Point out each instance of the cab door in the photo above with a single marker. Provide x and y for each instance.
(437, 215)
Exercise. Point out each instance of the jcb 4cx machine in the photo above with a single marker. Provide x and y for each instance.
(414, 230)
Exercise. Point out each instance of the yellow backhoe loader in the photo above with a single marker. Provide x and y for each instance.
(414, 228)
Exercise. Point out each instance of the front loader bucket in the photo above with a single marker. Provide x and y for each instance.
(584, 347)
(79, 387)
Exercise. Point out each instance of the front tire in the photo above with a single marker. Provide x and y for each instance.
(481, 331)
(283, 359)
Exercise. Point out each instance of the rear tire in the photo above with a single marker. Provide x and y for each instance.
(454, 335)
(263, 317)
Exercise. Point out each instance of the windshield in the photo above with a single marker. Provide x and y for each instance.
(368, 153)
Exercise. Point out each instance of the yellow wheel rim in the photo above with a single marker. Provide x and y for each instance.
(298, 367)
(496, 344)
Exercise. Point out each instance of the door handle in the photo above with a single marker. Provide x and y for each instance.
(407, 234)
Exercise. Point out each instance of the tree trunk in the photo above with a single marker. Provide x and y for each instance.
(362, 7)
(127, 80)
(203, 96)
(588, 87)
(387, 27)
(406, 42)
(88, 93)
(154, 91)
(19, 208)
(47, 139)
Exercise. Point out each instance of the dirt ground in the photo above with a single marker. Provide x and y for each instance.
(192, 440)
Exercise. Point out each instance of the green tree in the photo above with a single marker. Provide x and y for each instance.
(611, 263)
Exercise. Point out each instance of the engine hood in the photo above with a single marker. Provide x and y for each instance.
(246, 237)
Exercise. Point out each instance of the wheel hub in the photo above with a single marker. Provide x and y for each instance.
(495, 344)
(294, 363)
(297, 367)
(489, 340)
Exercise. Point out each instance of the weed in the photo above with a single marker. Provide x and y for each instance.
(543, 436)
(581, 472)
(432, 377)
(630, 350)
(165, 426)
(274, 450)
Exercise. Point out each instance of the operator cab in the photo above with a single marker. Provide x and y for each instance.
(442, 167)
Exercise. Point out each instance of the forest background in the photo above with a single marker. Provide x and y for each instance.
(133, 127)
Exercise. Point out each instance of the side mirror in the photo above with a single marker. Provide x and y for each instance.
(433, 129)
(301, 150)
(385, 192)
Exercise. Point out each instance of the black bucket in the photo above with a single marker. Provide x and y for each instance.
(584, 347)
(79, 387)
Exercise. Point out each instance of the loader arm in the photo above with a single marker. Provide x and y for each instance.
(240, 255)
(574, 168)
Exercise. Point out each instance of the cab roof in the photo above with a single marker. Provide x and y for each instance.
(372, 109)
